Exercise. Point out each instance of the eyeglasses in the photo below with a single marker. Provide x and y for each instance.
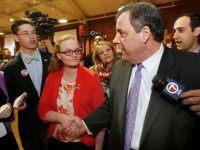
(69, 52)
(27, 34)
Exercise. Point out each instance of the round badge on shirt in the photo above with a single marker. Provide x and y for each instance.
(24, 73)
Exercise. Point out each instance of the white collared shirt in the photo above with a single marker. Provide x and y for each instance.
(148, 72)
(3, 131)
(34, 69)
(197, 50)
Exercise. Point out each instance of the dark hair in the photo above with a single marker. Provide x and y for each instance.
(145, 14)
(194, 19)
(17, 23)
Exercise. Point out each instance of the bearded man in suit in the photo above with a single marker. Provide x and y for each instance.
(27, 73)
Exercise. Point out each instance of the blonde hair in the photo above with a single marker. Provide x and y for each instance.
(56, 63)
(96, 57)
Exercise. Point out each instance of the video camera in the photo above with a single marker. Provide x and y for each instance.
(44, 26)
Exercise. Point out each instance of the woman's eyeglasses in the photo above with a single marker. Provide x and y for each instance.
(69, 52)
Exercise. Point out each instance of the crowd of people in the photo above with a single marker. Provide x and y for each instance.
(112, 105)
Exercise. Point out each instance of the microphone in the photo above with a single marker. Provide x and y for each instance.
(168, 87)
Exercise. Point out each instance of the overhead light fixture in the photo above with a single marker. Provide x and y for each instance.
(120, 8)
(62, 20)
(1, 33)
(11, 19)
(52, 8)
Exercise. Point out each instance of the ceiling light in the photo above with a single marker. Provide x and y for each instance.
(120, 8)
(62, 20)
(1, 33)
(11, 19)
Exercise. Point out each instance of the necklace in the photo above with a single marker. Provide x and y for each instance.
(69, 88)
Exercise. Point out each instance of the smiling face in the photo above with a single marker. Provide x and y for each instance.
(184, 36)
(26, 37)
(70, 53)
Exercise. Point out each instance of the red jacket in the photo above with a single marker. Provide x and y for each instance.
(88, 95)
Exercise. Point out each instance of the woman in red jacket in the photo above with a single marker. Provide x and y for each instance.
(70, 90)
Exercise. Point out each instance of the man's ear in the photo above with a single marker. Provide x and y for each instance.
(145, 34)
(15, 37)
(197, 31)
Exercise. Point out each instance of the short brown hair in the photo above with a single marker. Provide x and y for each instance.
(17, 23)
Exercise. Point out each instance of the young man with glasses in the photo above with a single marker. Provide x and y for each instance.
(27, 73)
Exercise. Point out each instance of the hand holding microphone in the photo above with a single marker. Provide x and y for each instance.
(19, 102)
(191, 98)
(168, 87)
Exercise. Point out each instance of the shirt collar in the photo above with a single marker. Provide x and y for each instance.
(150, 63)
(197, 50)
(28, 58)
(35, 54)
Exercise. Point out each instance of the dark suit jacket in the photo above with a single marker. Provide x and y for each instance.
(167, 125)
(29, 123)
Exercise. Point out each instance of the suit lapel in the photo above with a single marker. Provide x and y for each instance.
(20, 67)
(123, 83)
(27, 79)
(167, 67)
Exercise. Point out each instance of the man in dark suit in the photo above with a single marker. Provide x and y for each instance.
(160, 123)
(27, 73)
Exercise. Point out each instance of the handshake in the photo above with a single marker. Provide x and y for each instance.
(72, 127)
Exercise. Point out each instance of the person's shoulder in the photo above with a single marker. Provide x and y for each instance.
(182, 54)
(186, 55)
(94, 68)
(45, 54)
(185, 59)
(121, 64)
(11, 64)
(85, 71)
(55, 73)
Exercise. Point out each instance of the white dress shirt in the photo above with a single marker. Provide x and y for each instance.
(34, 69)
(197, 50)
(3, 131)
(148, 72)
